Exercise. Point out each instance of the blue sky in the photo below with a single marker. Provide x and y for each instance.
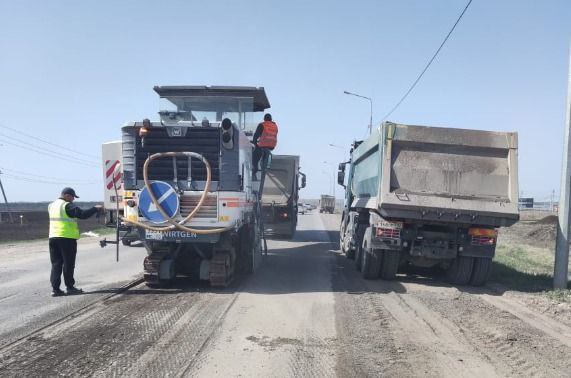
(73, 72)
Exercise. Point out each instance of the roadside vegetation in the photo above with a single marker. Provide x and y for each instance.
(525, 267)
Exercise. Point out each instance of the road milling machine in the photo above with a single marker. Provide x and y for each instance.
(187, 184)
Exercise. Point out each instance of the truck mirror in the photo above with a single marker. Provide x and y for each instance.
(303, 180)
(341, 178)
(342, 167)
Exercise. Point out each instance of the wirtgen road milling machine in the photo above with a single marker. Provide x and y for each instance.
(187, 184)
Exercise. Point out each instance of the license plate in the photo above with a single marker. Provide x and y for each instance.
(387, 224)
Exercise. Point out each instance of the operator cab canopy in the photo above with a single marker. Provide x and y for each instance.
(209, 105)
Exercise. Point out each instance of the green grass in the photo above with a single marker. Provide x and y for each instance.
(559, 296)
(526, 268)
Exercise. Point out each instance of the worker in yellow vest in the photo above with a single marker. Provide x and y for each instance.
(265, 137)
(63, 236)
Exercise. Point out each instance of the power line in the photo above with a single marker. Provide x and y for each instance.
(14, 172)
(428, 64)
(49, 153)
(40, 181)
(48, 142)
(63, 154)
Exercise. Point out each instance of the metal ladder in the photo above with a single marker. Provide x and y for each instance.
(258, 203)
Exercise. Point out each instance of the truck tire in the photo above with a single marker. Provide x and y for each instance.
(348, 252)
(289, 235)
(370, 263)
(481, 270)
(359, 235)
(390, 264)
(358, 257)
(460, 272)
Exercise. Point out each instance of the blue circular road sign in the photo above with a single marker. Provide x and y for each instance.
(167, 198)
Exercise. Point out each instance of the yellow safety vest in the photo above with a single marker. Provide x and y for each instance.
(61, 225)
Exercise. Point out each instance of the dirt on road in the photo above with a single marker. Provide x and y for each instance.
(306, 312)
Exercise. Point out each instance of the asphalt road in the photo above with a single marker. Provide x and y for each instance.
(305, 312)
(25, 301)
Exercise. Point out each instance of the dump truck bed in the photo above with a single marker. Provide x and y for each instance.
(327, 200)
(438, 174)
(281, 179)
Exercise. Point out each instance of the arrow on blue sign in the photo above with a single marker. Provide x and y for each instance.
(166, 197)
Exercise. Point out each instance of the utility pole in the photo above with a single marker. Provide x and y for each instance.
(5, 200)
(560, 269)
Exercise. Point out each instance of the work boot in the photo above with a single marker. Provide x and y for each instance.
(73, 291)
(57, 293)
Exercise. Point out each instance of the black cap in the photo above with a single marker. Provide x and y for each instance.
(69, 191)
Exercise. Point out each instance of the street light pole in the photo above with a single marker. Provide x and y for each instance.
(332, 181)
(370, 103)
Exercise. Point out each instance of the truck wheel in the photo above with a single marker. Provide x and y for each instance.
(358, 257)
(370, 263)
(341, 234)
(292, 231)
(359, 238)
(460, 271)
(350, 253)
(390, 264)
(347, 251)
(481, 271)
(289, 235)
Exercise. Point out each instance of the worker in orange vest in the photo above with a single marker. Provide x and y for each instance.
(265, 137)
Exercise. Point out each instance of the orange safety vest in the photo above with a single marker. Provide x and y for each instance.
(269, 137)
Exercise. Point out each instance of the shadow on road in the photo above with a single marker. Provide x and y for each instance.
(311, 262)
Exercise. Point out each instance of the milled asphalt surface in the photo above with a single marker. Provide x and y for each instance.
(25, 301)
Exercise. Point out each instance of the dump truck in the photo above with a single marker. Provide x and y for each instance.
(280, 195)
(188, 188)
(327, 204)
(428, 197)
